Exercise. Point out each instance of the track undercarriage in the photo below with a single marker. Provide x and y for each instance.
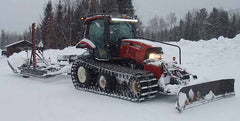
(113, 80)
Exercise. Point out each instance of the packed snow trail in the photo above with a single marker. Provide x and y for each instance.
(34, 99)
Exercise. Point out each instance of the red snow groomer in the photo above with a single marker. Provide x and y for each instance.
(118, 64)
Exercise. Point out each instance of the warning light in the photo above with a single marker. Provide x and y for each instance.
(82, 18)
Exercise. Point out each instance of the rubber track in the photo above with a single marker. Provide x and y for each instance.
(146, 81)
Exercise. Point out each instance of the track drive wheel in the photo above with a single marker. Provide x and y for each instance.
(84, 75)
(106, 82)
(81, 76)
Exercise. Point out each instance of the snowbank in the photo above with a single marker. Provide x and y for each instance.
(53, 53)
(55, 99)
(17, 59)
(216, 58)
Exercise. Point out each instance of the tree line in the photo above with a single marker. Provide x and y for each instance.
(61, 23)
(197, 25)
(8, 38)
(62, 26)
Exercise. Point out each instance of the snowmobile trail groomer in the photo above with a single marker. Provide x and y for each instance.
(118, 64)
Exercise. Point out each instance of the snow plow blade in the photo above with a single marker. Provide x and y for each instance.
(194, 95)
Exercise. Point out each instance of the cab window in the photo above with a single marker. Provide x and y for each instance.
(121, 30)
(96, 35)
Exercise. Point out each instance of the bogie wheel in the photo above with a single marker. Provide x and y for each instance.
(106, 82)
(135, 88)
(81, 75)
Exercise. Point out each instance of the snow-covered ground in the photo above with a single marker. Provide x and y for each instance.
(55, 99)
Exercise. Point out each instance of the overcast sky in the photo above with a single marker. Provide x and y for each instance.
(146, 9)
(17, 15)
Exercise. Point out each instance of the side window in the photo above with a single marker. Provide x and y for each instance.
(96, 31)
(96, 35)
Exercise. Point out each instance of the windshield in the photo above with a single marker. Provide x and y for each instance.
(121, 30)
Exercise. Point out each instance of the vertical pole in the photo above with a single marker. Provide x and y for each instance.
(34, 46)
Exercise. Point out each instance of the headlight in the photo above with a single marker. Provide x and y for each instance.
(154, 56)
(162, 57)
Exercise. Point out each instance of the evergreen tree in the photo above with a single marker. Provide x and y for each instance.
(188, 26)
(195, 31)
(223, 23)
(165, 36)
(67, 19)
(59, 26)
(238, 26)
(93, 7)
(47, 27)
(213, 24)
(2, 40)
(180, 30)
(6, 37)
(197, 25)
(109, 6)
(201, 23)
(78, 28)
(233, 27)
(172, 34)
(125, 7)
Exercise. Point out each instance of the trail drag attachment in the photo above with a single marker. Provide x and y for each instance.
(37, 65)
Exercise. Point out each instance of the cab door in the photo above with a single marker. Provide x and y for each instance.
(96, 33)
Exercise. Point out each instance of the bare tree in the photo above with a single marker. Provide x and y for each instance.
(172, 19)
(162, 25)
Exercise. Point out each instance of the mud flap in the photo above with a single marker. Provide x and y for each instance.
(194, 95)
